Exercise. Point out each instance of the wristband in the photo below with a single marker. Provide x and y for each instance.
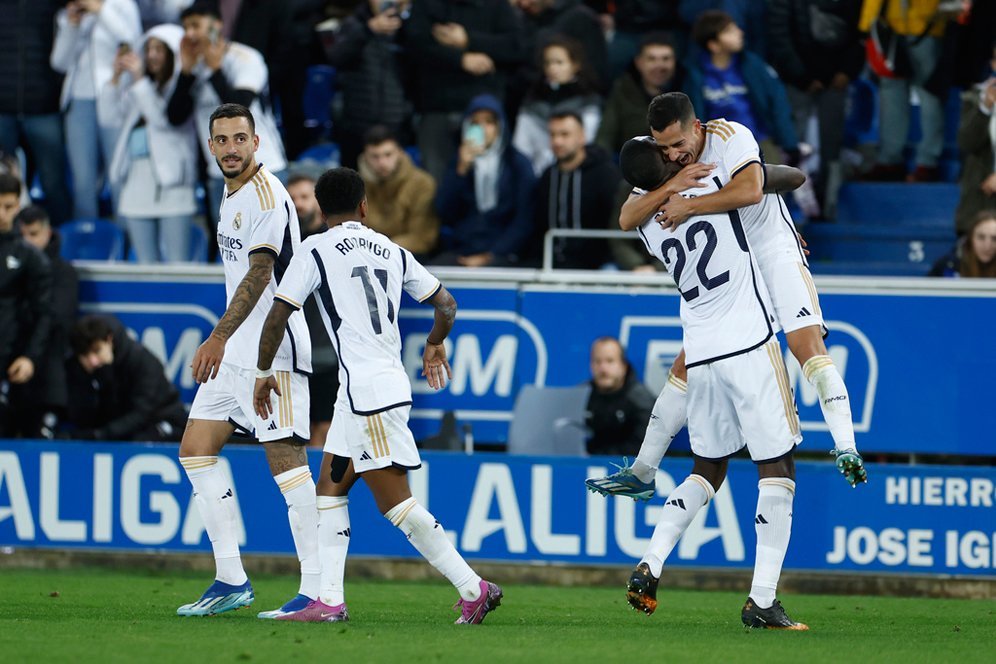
(264, 373)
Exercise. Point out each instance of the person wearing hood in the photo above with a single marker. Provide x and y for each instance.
(566, 85)
(486, 196)
(399, 194)
(51, 396)
(119, 388)
(87, 34)
(155, 163)
(578, 192)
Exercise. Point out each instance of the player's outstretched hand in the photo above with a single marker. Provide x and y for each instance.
(207, 359)
(435, 366)
(261, 396)
(675, 211)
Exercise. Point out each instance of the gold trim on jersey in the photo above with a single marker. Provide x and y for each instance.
(285, 410)
(807, 278)
(400, 517)
(783, 482)
(378, 436)
(267, 201)
(296, 481)
(264, 245)
(710, 492)
(677, 382)
(781, 376)
(722, 129)
(745, 162)
(814, 364)
(195, 463)
(432, 292)
(288, 300)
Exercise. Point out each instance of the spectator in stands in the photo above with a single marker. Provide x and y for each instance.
(653, 71)
(577, 192)
(157, 12)
(619, 407)
(976, 139)
(367, 54)
(154, 167)
(486, 195)
(566, 85)
(975, 253)
(88, 33)
(400, 196)
(748, 14)
(816, 49)
(119, 388)
(920, 26)
(459, 49)
(301, 188)
(631, 20)
(51, 395)
(542, 19)
(25, 319)
(725, 81)
(215, 71)
(323, 384)
(29, 97)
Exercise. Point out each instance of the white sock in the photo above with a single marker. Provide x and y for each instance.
(670, 413)
(823, 375)
(333, 544)
(773, 524)
(428, 538)
(299, 492)
(212, 494)
(679, 509)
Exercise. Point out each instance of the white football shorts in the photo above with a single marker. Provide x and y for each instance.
(374, 441)
(228, 398)
(793, 293)
(743, 400)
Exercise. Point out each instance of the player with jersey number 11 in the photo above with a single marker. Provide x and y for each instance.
(358, 276)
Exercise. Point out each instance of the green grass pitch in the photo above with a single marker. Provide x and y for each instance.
(87, 615)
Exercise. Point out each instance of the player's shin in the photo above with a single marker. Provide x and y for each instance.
(213, 496)
(333, 545)
(298, 489)
(773, 524)
(428, 537)
(822, 374)
(666, 420)
(678, 511)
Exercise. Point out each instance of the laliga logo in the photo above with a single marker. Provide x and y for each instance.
(848, 346)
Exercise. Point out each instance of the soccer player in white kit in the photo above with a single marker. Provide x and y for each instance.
(358, 276)
(738, 395)
(728, 153)
(258, 233)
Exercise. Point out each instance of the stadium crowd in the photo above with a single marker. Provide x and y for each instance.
(477, 125)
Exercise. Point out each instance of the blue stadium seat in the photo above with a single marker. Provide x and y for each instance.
(869, 269)
(898, 204)
(319, 91)
(325, 155)
(917, 245)
(198, 243)
(92, 240)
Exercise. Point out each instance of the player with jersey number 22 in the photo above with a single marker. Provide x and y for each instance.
(358, 276)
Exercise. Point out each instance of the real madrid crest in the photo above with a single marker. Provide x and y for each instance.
(237, 222)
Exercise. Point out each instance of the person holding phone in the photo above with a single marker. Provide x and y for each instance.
(88, 35)
(486, 195)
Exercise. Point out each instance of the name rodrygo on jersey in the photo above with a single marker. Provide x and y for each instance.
(358, 275)
(725, 305)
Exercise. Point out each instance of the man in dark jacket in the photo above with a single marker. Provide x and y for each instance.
(486, 195)
(36, 229)
(25, 318)
(816, 49)
(367, 53)
(459, 49)
(119, 390)
(577, 192)
(620, 405)
(29, 96)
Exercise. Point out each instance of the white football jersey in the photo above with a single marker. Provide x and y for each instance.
(359, 275)
(725, 306)
(244, 69)
(732, 148)
(259, 216)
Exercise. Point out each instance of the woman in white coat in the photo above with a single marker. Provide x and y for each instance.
(154, 166)
(88, 34)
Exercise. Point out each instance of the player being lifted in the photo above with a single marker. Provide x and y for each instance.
(358, 276)
(727, 152)
(257, 234)
(738, 394)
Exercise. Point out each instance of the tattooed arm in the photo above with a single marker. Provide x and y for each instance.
(269, 342)
(207, 359)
